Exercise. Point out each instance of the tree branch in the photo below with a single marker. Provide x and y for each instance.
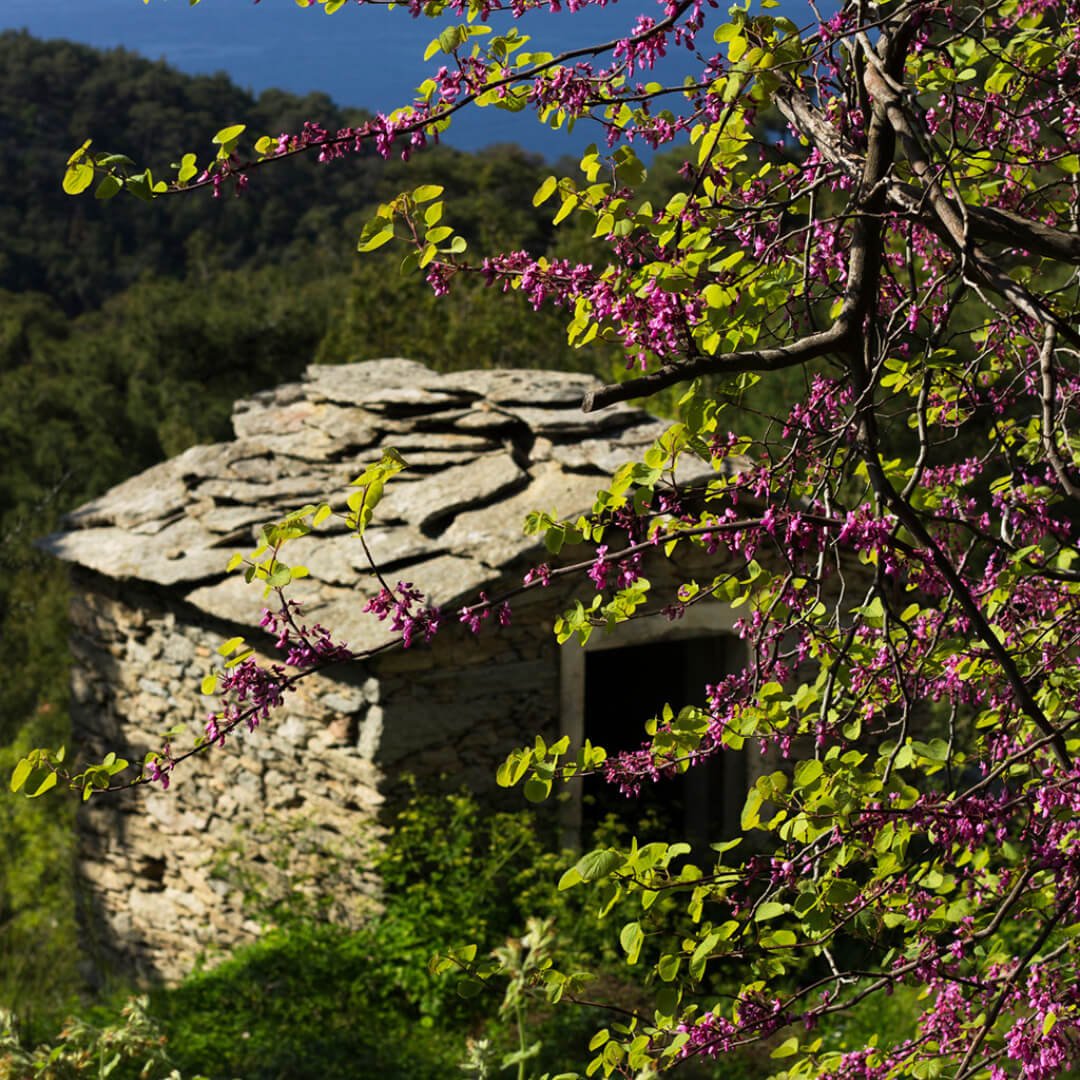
(1049, 423)
(774, 359)
(888, 121)
(986, 224)
(954, 217)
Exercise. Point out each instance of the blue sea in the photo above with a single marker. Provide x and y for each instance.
(366, 56)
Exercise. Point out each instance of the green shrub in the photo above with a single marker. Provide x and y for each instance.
(125, 1046)
(312, 999)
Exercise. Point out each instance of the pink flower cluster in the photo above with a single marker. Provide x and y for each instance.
(408, 611)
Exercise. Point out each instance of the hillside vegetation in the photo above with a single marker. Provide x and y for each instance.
(127, 331)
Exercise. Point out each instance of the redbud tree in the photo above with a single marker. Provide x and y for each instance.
(866, 292)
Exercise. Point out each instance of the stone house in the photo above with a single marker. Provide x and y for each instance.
(294, 808)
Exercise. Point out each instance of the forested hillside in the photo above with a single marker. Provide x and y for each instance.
(54, 95)
(126, 332)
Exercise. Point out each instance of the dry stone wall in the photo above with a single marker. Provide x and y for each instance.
(285, 814)
(291, 813)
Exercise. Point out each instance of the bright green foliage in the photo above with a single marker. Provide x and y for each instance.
(38, 959)
(371, 483)
(315, 999)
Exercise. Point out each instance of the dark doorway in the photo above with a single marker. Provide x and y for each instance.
(626, 687)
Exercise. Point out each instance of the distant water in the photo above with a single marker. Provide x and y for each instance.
(366, 56)
(362, 56)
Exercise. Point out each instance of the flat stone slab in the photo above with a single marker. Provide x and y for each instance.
(354, 383)
(448, 580)
(179, 554)
(485, 418)
(346, 424)
(562, 423)
(446, 441)
(158, 493)
(607, 454)
(425, 462)
(213, 459)
(230, 519)
(448, 492)
(339, 559)
(394, 546)
(234, 600)
(253, 417)
(494, 534)
(412, 400)
(549, 388)
(314, 445)
(287, 493)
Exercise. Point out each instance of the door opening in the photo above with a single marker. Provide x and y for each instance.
(623, 688)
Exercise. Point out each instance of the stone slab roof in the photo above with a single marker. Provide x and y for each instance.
(483, 447)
